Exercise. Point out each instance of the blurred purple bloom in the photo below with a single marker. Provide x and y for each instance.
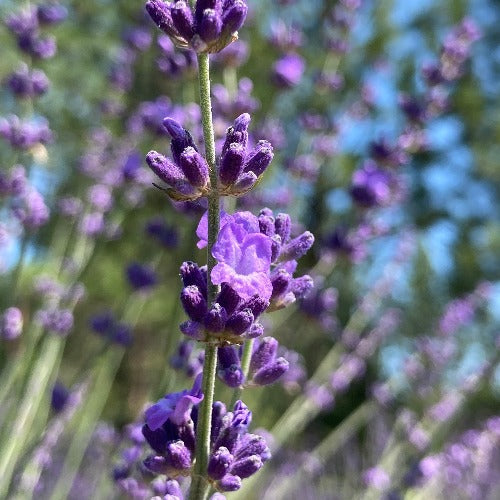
(288, 70)
(244, 257)
(11, 323)
(371, 186)
(141, 276)
(59, 397)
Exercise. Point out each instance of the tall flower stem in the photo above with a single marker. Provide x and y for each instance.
(199, 485)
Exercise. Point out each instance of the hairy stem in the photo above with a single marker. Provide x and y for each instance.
(199, 485)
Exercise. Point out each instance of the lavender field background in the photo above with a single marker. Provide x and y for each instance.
(352, 317)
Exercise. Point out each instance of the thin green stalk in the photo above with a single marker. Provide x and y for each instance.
(329, 446)
(16, 275)
(33, 396)
(245, 367)
(199, 484)
(89, 416)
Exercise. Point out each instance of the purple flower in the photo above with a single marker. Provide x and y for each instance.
(51, 13)
(377, 478)
(244, 257)
(59, 321)
(288, 70)
(11, 323)
(371, 186)
(166, 235)
(59, 397)
(26, 83)
(175, 407)
(31, 210)
(100, 197)
(140, 276)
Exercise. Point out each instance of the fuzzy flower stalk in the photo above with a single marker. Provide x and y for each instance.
(250, 265)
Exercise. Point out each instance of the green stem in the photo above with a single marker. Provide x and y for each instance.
(16, 275)
(245, 367)
(199, 484)
(33, 396)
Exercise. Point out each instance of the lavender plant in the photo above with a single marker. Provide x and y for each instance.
(360, 362)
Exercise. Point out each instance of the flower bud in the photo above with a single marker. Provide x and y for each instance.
(234, 17)
(270, 373)
(280, 280)
(166, 170)
(230, 483)
(301, 286)
(215, 319)
(256, 330)
(231, 164)
(238, 133)
(228, 298)
(181, 138)
(210, 26)
(260, 158)
(283, 226)
(240, 322)
(266, 225)
(159, 12)
(298, 247)
(194, 167)
(192, 274)
(247, 466)
(264, 354)
(219, 463)
(182, 16)
(178, 456)
(229, 370)
(245, 182)
(194, 303)
(257, 305)
(192, 329)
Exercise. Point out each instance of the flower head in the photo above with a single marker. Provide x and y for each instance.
(209, 28)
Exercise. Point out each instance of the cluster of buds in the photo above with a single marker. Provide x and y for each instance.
(23, 134)
(265, 367)
(285, 253)
(235, 453)
(230, 319)
(27, 83)
(26, 24)
(239, 169)
(187, 176)
(212, 25)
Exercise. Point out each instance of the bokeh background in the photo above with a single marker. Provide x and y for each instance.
(417, 256)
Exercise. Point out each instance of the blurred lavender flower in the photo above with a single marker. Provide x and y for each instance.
(166, 235)
(105, 325)
(59, 321)
(287, 71)
(30, 209)
(11, 323)
(26, 83)
(25, 134)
